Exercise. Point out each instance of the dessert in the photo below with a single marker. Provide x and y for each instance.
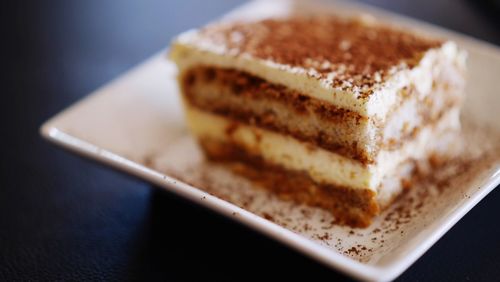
(325, 111)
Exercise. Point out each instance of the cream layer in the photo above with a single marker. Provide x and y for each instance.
(323, 166)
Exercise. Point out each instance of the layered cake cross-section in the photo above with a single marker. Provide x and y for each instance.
(325, 111)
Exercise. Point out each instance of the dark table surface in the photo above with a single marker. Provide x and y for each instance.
(65, 218)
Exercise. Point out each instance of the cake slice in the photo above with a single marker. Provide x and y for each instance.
(326, 111)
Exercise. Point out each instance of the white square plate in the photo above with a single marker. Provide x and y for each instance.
(135, 124)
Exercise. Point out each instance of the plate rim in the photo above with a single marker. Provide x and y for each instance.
(50, 132)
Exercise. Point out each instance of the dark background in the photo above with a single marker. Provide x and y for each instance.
(66, 218)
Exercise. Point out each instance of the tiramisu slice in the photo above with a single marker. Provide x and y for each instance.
(325, 111)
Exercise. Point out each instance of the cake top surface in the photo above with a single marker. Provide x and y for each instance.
(352, 54)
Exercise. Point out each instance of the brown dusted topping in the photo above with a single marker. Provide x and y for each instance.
(347, 53)
(326, 236)
(268, 216)
(352, 250)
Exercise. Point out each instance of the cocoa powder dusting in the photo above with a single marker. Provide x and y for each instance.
(349, 52)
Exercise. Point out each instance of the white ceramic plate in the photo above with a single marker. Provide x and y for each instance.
(135, 124)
